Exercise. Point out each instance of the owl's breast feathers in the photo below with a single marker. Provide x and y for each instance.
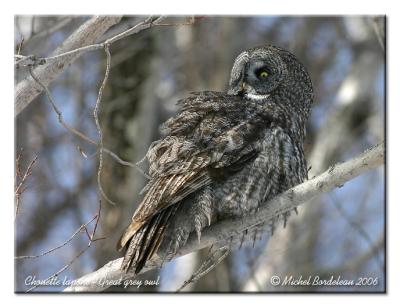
(213, 130)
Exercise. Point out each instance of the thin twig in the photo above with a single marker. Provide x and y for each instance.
(19, 187)
(355, 263)
(98, 126)
(207, 266)
(35, 61)
(354, 224)
(79, 230)
(58, 112)
(148, 23)
(234, 227)
(77, 132)
(191, 21)
(27, 89)
(127, 163)
(91, 238)
(49, 68)
(378, 32)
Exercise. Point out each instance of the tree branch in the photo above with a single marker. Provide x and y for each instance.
(79, 42)
(28, 89)
(335, 176)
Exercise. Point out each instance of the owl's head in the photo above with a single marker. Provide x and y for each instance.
(262, 72)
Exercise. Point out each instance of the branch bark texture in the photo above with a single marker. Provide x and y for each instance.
(335, 176)
(27, 89)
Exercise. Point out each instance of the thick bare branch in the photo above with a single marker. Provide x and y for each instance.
(47, 69)
(335, 176)
(87, 34)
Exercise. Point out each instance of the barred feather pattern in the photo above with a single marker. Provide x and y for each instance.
(221, 156)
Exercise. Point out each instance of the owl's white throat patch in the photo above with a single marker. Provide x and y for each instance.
(256, 97)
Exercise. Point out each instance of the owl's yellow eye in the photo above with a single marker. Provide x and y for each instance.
(263, 74)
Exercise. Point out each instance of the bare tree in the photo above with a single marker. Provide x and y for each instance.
(108, 82)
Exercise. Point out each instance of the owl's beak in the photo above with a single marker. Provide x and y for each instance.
(243, 88)
(240, 89)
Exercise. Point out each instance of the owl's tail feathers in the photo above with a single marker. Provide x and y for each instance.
(128, 234)
(143, 240)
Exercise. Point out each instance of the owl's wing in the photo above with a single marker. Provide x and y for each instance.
(183, 176)
(201, 137)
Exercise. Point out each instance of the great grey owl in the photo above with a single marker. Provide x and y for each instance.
(223, 154)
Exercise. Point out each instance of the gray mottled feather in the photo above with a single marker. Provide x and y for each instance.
(223, 154)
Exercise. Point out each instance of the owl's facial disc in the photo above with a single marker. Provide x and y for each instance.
(256, 74)
(260, 77)
(248, 91)
(256, 97)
